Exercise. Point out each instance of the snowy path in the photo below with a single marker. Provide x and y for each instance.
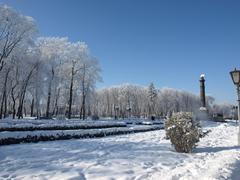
(136, 156)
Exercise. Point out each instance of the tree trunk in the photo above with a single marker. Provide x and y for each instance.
(89, 113)
(24, 108)
(23, 92)
(12, 94)
(20, 108)
(5, 106)
(14, 102)
(55, 109)
(14, 109)
(49, 94)
(2, 103)
(81, 113)
(4, 94)
(70, 95)
(48, 102)
(37, 105)
(83, 108)
(32, 107)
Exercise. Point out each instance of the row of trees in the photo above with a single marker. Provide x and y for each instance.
(42, 76)
(132, 100)
(139, 101)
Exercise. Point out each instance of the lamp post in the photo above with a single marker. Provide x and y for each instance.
(235, 74)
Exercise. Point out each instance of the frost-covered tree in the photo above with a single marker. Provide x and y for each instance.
(152, 97)
(43, 77)
(16, 34)
(225, 109)
(88, 76)
(15, 29)
(82, 71)
(53, 52)
(164, 101)
(28, 69)
(76, 53)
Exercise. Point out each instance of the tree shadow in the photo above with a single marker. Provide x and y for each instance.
(235, 171)
(215, 149)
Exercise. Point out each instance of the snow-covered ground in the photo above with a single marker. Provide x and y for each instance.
(135, 156)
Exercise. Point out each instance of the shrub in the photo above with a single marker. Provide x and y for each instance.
(182, 131)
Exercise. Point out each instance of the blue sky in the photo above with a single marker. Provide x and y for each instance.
(166, 42)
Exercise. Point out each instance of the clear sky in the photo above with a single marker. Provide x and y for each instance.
(166, 42)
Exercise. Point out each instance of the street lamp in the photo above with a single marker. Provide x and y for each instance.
(236, 80)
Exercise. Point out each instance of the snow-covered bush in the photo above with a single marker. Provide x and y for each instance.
(182, 131)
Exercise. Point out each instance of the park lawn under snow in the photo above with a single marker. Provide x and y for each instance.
(145, 155)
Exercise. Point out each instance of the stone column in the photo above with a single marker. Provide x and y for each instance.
(202, 90)
(202, 114)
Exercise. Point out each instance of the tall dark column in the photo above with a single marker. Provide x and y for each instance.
(202, 90)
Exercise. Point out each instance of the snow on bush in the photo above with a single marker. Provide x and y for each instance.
(183, 131)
